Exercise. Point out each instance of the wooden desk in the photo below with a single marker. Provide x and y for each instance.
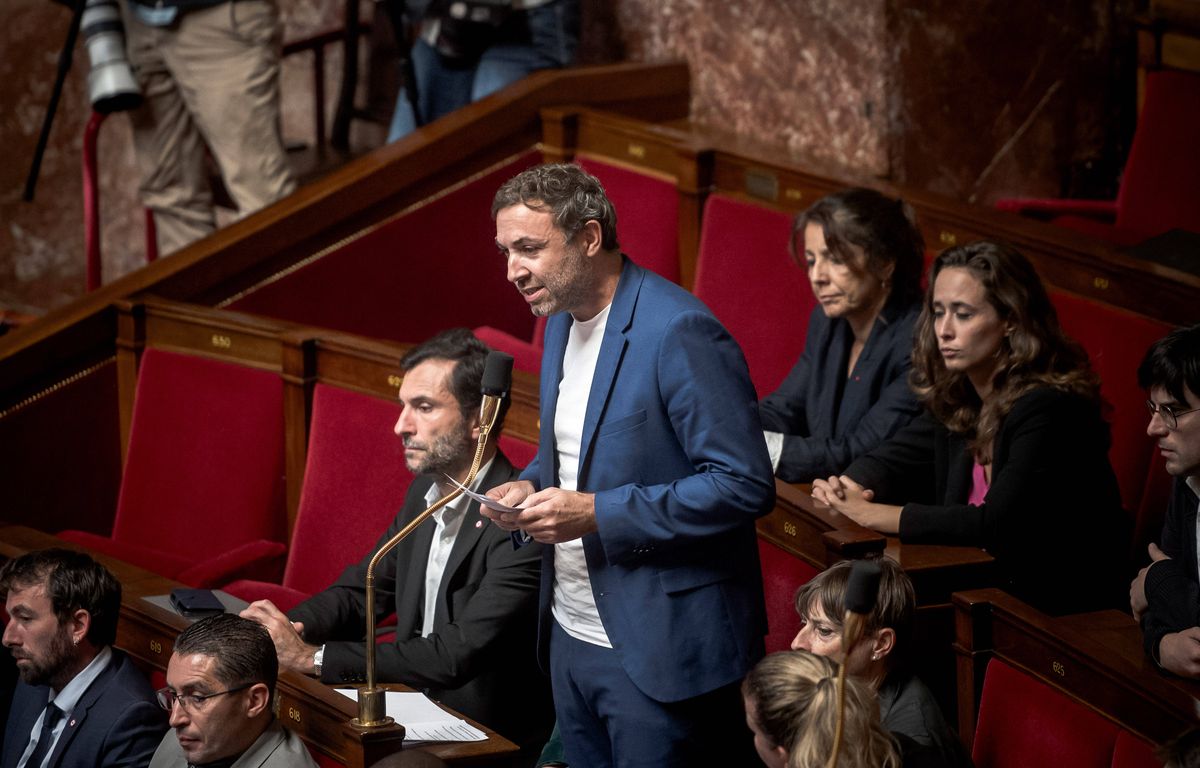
(1095, 658)
(320, 715)
(815, 533)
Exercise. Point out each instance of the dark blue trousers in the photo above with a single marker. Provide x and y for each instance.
(605, 720)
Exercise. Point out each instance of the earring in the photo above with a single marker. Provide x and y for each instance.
(874, 657)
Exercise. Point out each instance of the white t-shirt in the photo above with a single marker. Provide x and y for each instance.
(574, 605)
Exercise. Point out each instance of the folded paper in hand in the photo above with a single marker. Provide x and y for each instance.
(484, 500)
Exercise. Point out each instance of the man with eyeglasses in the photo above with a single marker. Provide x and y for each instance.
(79, 702)
(220, 688)
(1165, 596)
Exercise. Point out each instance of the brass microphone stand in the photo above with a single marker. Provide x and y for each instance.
(372, 711)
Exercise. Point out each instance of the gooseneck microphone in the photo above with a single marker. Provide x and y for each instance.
(862, 592)
(497, 375)
(497, 378)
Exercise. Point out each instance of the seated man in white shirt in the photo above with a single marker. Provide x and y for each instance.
(79, 702)
(464, 599)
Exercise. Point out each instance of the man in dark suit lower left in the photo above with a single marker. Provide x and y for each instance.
(80, 702)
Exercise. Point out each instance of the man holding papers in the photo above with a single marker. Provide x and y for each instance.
(463, 597)
(650, 472)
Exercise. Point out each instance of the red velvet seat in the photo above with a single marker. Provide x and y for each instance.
(745, 274)
(518, 451)
(647, 229)
(355, 480)
(1158, 189)
(202, 494)
(1024, 723)
(432, 267)
(782, 574)
(1116, 341)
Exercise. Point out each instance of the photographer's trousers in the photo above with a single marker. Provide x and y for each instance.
(210, 80)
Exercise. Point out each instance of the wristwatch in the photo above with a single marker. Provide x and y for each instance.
(318, 660)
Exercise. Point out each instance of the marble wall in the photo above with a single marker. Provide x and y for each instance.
(975, 100)
(997, 98)
(807, 76)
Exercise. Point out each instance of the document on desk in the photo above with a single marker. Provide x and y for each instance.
(422, 719)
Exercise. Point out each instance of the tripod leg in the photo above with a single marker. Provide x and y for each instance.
(64, 66)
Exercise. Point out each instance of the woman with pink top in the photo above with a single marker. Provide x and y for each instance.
(1011, 452)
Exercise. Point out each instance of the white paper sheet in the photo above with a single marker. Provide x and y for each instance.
(422, 719)
(484, 500)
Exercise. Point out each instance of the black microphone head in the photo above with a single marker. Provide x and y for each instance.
(497, 374)
(862, 588)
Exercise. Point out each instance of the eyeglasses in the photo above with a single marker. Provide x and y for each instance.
(1169, 415)
(191, 702)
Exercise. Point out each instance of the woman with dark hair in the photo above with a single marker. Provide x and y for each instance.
(881, 659)
(1011, 453)
(849, 392)
(792, 708)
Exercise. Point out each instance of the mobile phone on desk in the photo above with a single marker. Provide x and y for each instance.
(196, 603)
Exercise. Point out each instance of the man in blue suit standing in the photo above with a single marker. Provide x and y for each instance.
(650, 472)
(80, 702)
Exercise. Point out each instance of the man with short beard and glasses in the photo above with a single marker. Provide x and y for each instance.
(80, 702)
(463, 597)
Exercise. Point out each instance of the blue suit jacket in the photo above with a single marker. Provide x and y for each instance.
(116, 722)
(672, 448)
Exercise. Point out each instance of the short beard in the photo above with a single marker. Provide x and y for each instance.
(445, 454)
(57, 663)
(570, 285)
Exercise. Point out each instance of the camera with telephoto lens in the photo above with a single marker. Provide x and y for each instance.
(111, 86)
(466, 28)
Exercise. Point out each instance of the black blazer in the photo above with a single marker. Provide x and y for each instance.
(117, 721)
(827, 419)
(1052, 517)
(481, 657)
(1171, 588)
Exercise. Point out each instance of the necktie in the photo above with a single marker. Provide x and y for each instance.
(50, 719)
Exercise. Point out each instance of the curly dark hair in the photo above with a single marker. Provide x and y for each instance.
(572, 196)
(1036, 353)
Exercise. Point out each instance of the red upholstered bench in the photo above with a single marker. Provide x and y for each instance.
(1116, 341)
(518, 451)
(355, 480)
(747, 278)
(1061, 692)
(429, 268)
(202, 494)
(1024, 723)
(783, 573)
(1158, 185)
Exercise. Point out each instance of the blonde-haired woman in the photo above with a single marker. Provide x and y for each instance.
(792, 708)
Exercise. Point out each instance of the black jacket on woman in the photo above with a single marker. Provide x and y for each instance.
(1052, 517)
(828, 418)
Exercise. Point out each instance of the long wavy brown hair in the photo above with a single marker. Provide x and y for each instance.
(1035, 353)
